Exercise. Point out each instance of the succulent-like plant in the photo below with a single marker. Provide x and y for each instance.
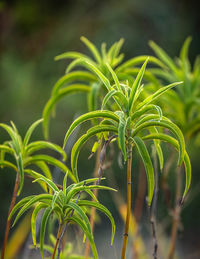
(67, 206)
(132, 121)
(85, 80)
(184, 101)
(19, 155)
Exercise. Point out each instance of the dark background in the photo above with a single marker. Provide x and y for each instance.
(33, 32)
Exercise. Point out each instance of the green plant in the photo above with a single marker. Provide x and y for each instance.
(132, 121)
(183, 109)
(67, 206)
(19, 155)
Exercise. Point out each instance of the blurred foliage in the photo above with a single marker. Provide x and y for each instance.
(32, 33)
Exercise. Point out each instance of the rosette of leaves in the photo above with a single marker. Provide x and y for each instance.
(184, 101)
(133, 121)
(19, 155)
(67, 206)
(85, 79)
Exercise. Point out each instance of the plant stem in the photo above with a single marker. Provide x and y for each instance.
(57, 240)
(176, 215)
(128, 213)
(12, 204)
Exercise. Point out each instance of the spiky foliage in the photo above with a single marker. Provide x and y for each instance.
(86, 80)
(25, 154)
(63, 203)
(133, 121)
(184, 101)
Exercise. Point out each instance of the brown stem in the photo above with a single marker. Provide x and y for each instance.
(176, 215)
(57, 240)
(93, 210)
(8, 223)
(128, 213)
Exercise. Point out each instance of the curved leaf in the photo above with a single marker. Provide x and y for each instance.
(37, 145)
(148, 166)
(102, 209)
(81, 141)
(54, 99)
(172, 127)
(89, 116)
(33, 220)
(52, 161)
(92, 48)
(45, 217)
(30, 131)
(175, 143)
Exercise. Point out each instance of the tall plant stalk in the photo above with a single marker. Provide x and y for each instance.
(128, 213)
(8, 223)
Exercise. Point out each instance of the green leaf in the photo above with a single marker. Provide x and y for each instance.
(37, 145)
(92, 48)
(75, 190)
(54, 99)
(21, 172)
(79, 222)
(102, 209)
(184, 50)
(81, 141)
(89, 116)
(20, 204)
(175, 143)
(37, 209)
(148, 166)
(73, 76)
(50, 183)
(29, 204)
(8, 164)
(172, 127)
(94, 68)
(36, 176)
(122, 135)
(93, 97)
(30, 131)
(163, 56)
(112, 93)
(45, 217)
(137, 61)
(71, 55)
(157, 94)
(52, 161)
(81, 213)
(146, 109)
(136, 85)
(114, 77)
(14, 137)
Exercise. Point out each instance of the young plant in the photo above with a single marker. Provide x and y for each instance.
(19, 155)
(67, 206)
(132, 121)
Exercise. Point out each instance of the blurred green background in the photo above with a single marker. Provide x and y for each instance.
(33, 32)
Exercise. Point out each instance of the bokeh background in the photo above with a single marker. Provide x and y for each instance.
(33, 32)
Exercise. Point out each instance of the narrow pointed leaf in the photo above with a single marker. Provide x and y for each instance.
(30, 131)
(92, 48)
(148, 166)
(89, 116)
(103, 209)
(45, 218)
(76, 88)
